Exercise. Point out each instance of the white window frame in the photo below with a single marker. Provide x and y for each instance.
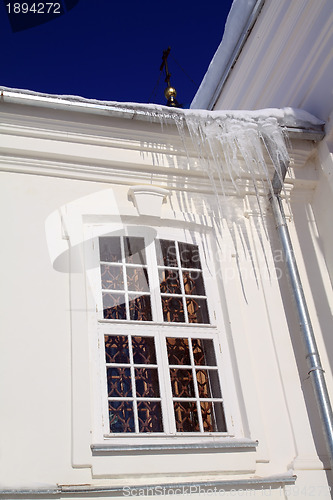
(213, 330)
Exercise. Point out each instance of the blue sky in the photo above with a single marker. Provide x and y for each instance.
(111, 50)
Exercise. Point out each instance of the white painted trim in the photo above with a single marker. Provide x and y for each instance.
(148, 199)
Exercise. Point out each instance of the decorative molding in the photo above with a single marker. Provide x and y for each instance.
(148, 199)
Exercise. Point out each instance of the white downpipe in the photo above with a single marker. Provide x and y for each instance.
(315, 370)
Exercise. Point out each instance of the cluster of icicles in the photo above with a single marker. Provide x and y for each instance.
(233, 148)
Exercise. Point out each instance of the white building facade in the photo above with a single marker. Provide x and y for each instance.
(149, 341)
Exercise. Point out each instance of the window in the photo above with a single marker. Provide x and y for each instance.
(161, 367)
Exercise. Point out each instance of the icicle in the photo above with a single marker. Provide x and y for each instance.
(231, 150)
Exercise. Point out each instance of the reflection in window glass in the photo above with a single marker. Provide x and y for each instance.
(166, 253)
(189, 256)
(133, 384)
(121, 416)
(112, 277)
(180, 274)
(135, 290)
(114, 306)
(195, 383)
(135, 252)
(137, 279)
(109, 249)
(127, 273)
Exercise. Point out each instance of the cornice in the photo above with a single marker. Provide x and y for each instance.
(169, 178)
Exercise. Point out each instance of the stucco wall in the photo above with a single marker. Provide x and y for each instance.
(48, 389)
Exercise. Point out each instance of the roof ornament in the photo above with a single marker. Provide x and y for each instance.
(170, 92)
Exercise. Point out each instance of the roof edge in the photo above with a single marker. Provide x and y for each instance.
(296, 121)
(241, 19)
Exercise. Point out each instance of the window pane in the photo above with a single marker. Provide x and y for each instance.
(119, 382)
(146, 381)
(121, 416)
(178, 351)
(169, 281)
(220, 423)
(186, 416)
(112, 277)
(143, 350)
(203, 352)
(166, 253)
(189, 256)
(173, 309)
(182, 383)
(208, 384)
(150, 416)
(135, 252)
(137, 279)
(109, 249)
(116, 349)
(193, 283)
(197, 311)
(213, 417)
(140, 309)
(114, 306)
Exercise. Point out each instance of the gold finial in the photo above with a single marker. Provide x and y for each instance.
(170, 92)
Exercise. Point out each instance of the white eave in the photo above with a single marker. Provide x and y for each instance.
(297, 122)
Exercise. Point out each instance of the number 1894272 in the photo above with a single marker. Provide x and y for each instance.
(35, 8)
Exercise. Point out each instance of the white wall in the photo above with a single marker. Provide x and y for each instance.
(47, 384)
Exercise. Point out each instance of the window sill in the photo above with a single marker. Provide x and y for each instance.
(222, 444)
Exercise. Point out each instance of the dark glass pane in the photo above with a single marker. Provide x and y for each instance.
(166, 253)
(178, 351)
(140, 309)
(182, 383)
(150, 416)
(193, 283)
(220, 422)
(137, 279)
(116, 349)
(203, 352)
(114, 306)
(109, 249)
(173, 310)
(143, 350)
(186, 416)
(121, 416)
(189, 256)
(213, 417)
(119, 382)
(112, 277)
(135, 252)
(146, 381)
(169, 281)
(197, 311)
(208, 384)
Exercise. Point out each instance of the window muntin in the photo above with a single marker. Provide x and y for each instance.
(196, 391)
(182, 290)
(126, 290)
(124, 278)
(134, 401)
(178, 391)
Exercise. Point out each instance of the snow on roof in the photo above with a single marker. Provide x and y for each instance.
(286, 117)
(238, 22)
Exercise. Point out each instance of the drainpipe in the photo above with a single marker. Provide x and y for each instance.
(315, 370)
